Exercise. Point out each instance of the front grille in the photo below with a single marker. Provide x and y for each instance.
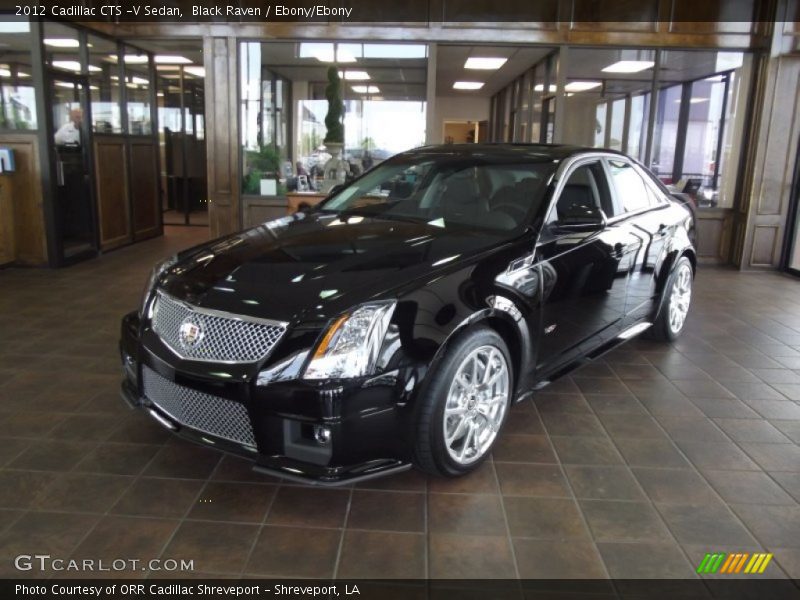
(206, 413)
(202, 334)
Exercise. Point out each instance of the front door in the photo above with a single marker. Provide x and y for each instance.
(75, 225)
(584, 271)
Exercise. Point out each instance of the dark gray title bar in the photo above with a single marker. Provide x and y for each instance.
(408, 11)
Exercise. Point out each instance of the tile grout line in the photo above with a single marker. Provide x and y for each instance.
(337, 562)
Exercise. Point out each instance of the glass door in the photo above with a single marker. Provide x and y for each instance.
(71, 154)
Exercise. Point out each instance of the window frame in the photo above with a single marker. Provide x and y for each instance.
(572, 166)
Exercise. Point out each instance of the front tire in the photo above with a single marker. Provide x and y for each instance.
(464, 405)
(675, 305)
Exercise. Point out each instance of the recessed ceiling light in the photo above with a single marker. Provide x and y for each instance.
(629, 66)
(539, 87)
(484, 63)
(61, 42)
(366, 89)
(581, 86)
(196, 71)
(467, 85)
(354, 75)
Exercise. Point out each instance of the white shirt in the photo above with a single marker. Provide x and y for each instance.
(68, 134)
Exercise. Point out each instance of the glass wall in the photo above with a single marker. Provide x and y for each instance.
(104, 86)
(698, 121)
(17, 95)
(524, 110)
(180, 99)
(138, 91)
(283, 108)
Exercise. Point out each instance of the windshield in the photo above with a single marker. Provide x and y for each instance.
(448, 192)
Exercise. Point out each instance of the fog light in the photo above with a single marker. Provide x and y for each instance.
(322, 435)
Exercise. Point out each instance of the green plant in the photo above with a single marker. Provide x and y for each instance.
(333, 120)
(263, 163)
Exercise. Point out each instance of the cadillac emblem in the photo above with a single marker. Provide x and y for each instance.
(190, 334)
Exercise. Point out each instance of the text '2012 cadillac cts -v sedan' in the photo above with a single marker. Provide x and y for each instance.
(398, 321)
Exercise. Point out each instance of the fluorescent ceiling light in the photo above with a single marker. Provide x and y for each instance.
(22, 75)
(14, 27)
(73, 65)
(366, 89)
(65, 84)
(132, 59)
(581, 86)
(467, 85)
(539, 87)
(168, 59)
(61, 42)
(629, 66)
(5, 73)
(139, 80)
(693, 100)
(484, 63)
(354, 75)
(196, 71)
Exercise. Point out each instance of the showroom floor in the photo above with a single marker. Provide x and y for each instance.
(636, 466)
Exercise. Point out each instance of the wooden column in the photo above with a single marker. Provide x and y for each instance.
(222, 134)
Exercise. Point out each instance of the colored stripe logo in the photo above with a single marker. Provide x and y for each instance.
(734, 563)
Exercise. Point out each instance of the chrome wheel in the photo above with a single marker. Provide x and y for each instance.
(680, 298)
(476, 404)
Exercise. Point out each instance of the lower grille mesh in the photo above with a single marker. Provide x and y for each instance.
(210, 414)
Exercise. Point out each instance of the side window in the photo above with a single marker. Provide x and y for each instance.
(584, 191)
(632, 193)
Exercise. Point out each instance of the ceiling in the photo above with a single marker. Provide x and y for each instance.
(450, 67)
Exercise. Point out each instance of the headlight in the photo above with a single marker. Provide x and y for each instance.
(351, 344)
(157, 272)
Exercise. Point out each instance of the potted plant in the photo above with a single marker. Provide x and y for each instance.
(336, 168)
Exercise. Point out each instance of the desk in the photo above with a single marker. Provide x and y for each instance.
(295, 199)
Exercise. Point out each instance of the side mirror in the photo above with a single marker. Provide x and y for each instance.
(581, 221)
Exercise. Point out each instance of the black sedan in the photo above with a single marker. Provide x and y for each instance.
(397, 322)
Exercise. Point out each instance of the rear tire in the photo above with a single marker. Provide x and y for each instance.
(675, 303)
(465, 404)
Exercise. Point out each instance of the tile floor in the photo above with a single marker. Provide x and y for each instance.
(636, 466)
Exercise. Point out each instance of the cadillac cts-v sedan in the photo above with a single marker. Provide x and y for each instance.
(397, 322)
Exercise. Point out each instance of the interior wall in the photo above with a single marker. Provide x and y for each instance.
(457, 108)
(22, 230)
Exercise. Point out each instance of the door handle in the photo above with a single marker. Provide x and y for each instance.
(60, 173)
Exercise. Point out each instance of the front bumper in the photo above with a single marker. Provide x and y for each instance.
(364, 422)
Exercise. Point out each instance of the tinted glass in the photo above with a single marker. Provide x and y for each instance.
(631, 191)
(448, 193)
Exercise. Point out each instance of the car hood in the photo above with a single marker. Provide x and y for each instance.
(315, 266)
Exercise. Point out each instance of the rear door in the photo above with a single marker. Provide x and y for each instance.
(644, 213)
(584, 273)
